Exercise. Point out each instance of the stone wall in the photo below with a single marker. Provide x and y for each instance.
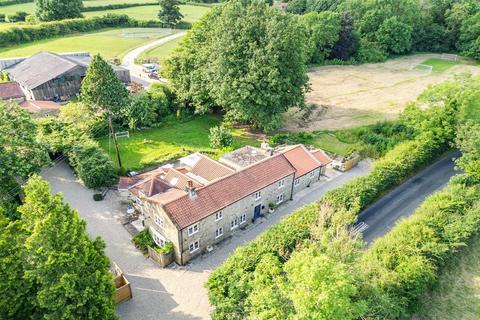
(307, 180)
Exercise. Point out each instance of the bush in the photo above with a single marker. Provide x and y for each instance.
(12, 2)
(118, 6)
(220, 137)
(91, 164)
(2, 17)
(17, 16)
(166, 249)
(370, 52)
(143, 240)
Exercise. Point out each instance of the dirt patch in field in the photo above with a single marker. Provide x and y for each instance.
(348, 96)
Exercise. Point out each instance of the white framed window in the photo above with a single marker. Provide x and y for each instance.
(234, 223)
(258, 195)
(243, 218)
(296, 182)
(218, 215)
(193, 229)
(157, 237)
(279, 198)
(281, 183)
(159, 221)
(219, 232)
(194, 246)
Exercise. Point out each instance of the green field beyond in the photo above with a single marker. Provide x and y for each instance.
(170, 141)
(440, 65)
(161, 52)
(116, 42)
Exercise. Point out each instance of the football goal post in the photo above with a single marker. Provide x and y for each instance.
(421, 67)
(123, 134)
(449, 57)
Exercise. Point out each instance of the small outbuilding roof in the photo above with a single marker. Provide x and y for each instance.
(301, 159)
(10, 90)
(36, 106)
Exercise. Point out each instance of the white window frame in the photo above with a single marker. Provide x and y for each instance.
(195, 245)
(218, 232)
(243, 218)
(258, 195)
(157, 237)
(218, 215)
(159, 221)
(234, 223)
(312, 174)
(280, 197)
(194, 228)
(281, 184)
(296, 182)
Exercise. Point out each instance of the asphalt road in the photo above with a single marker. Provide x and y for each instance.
(401, 202)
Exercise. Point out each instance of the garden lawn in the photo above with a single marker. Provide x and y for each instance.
(190, 13)
(170, 141)
(109, 44)
(161, 52)
(330, 143)
(457, 295)
(440, 65)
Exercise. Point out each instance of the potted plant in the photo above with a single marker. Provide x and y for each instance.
(271, 207)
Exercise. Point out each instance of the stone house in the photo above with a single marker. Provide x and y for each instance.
(202, 201)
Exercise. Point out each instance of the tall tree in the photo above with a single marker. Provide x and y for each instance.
(48, 10)
(247, 59)
(101, 90)
(348, 41)
(169, 14)
(70, 272)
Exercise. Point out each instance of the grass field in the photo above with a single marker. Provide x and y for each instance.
(170, 141)
(457, 295)
(109, 44)
(330, 143)
(439, 65)
(161, 52)
(190, 13)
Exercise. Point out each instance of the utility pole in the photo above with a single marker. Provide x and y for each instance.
(115, 140)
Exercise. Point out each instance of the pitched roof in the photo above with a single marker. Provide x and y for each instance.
(128, 182)
(40, 68)
(213, 197)
(150, 187)
(301, 159)
(10, 90)
(321, 156)
(210, 169)
(178, 179)
(35, 106)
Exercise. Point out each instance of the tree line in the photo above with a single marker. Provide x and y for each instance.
(312, 264)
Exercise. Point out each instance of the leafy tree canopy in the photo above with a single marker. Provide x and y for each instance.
(247, 59)
(48, 10)
(169, 14)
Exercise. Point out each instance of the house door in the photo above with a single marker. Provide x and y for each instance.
(257, 212)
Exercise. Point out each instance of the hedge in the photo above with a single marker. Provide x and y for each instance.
(13, 2)
(400, 267)
(226, 284)
(118, 6)
(16, 35)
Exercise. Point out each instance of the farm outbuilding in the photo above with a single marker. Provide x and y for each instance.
(49, 76)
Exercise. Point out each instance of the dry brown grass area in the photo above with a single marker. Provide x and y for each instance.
(349, 96)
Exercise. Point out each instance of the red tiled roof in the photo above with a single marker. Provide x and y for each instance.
(35, 106)
(128, 182)
(10, 90)
(151, 187)
(301, 159)
(185, 211)
(321, 156)
(178, 179)
(210, 169)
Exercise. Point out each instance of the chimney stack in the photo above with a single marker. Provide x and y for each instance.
(192, 193)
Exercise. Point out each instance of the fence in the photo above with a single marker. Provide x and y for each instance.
(161, 259)
(123, 290)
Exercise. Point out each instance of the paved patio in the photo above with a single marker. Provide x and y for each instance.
(175, 292)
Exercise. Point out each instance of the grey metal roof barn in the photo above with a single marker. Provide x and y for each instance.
(47, 75)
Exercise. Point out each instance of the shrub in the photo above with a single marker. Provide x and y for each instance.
(118, 6)
(370, 52)
(2, 17)
(143, 240)
(17, 16)
(220, 137)
(166, 249)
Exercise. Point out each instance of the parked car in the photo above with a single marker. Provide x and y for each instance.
(149, 67)
(153, 75)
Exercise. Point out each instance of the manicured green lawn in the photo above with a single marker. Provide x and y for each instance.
(439, 65)
(170, 141)
(457, 295)
(330, 143)
(190, 13)
(161, 52)
(109, 43)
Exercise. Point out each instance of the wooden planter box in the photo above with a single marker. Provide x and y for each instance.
(123, 290)
(161, 259)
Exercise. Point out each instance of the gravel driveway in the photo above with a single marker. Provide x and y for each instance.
(175, 292)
